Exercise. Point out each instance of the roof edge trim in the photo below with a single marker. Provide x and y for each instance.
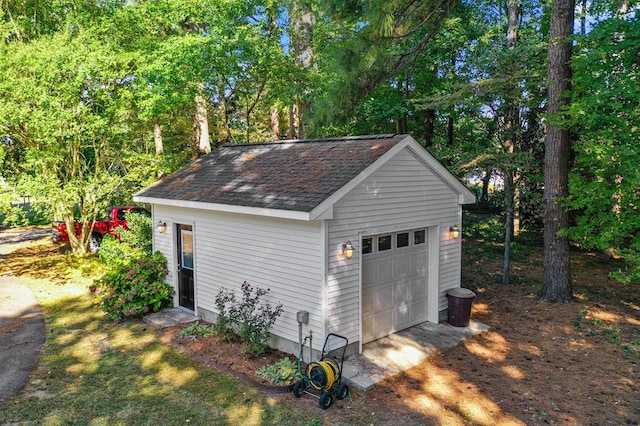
(226, 208)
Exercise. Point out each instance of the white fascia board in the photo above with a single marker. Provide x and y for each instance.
(227, 208)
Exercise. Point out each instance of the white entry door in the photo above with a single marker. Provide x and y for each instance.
(394, 282)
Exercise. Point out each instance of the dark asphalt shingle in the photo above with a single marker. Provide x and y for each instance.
(288, 175)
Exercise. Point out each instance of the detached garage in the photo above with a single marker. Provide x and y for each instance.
(358, 231)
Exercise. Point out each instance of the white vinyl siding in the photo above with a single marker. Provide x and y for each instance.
(402, 194)
(280, 254)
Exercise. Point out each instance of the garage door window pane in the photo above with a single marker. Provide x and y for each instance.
(367, 245)
(402, 240)
(418, 237)
(384, 242)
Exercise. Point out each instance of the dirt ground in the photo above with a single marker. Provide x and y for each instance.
(568, 364)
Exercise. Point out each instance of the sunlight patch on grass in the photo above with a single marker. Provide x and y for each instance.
(126, 338)
(67, 337)
(78, 314)
(248, 415)
(53, 419)
(152, 358)
(101, 421)
(77, 369)
(169, 374)
(48, 293)
(271, 402)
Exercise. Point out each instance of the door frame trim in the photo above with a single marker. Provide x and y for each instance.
(174, 267)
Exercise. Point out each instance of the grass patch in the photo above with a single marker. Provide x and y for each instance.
(95, 372)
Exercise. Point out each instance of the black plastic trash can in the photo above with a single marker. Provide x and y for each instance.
(460, 300)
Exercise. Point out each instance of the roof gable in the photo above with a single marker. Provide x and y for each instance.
(287, 175)
(299, 176)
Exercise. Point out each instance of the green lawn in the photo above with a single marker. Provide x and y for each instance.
(93, 372)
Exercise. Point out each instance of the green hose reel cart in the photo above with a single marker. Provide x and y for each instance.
(323, 379)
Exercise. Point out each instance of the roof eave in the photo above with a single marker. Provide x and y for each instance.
(226, 208)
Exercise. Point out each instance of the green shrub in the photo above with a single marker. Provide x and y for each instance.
(134, 288)
(196, 330)
(248, 319)
(281, 373)
(112, 252)
(132, 243)
(140, 233)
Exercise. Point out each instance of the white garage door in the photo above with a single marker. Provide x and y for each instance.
(394, 282)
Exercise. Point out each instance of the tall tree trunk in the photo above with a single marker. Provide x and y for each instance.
(201, 123)
(583, 18)
(484, 196)
(450, 121)
(429, 126)
(275, 123)
(556, 280)
(430, 113)
(403, 86)
(300, 28)
(274, 111)
(223, 113)
(511, 123)
(450, 133)
(157, 136)
(294, 122)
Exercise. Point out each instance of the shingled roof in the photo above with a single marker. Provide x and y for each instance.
(294, 175)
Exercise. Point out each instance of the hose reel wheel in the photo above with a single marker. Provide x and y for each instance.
(323, 374)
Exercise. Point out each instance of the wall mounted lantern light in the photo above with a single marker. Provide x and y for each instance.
(161, 227)
(347, 250)
(454, 231)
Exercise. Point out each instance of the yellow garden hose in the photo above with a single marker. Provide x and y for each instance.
(322, 374)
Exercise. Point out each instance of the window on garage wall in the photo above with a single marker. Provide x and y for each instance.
(398, 240)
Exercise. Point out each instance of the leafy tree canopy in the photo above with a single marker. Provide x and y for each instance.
(605, 178)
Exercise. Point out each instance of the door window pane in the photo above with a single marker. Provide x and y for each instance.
(402, 240)
(384, 242)
(367, 245)
(187, 248)
(419, 237)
